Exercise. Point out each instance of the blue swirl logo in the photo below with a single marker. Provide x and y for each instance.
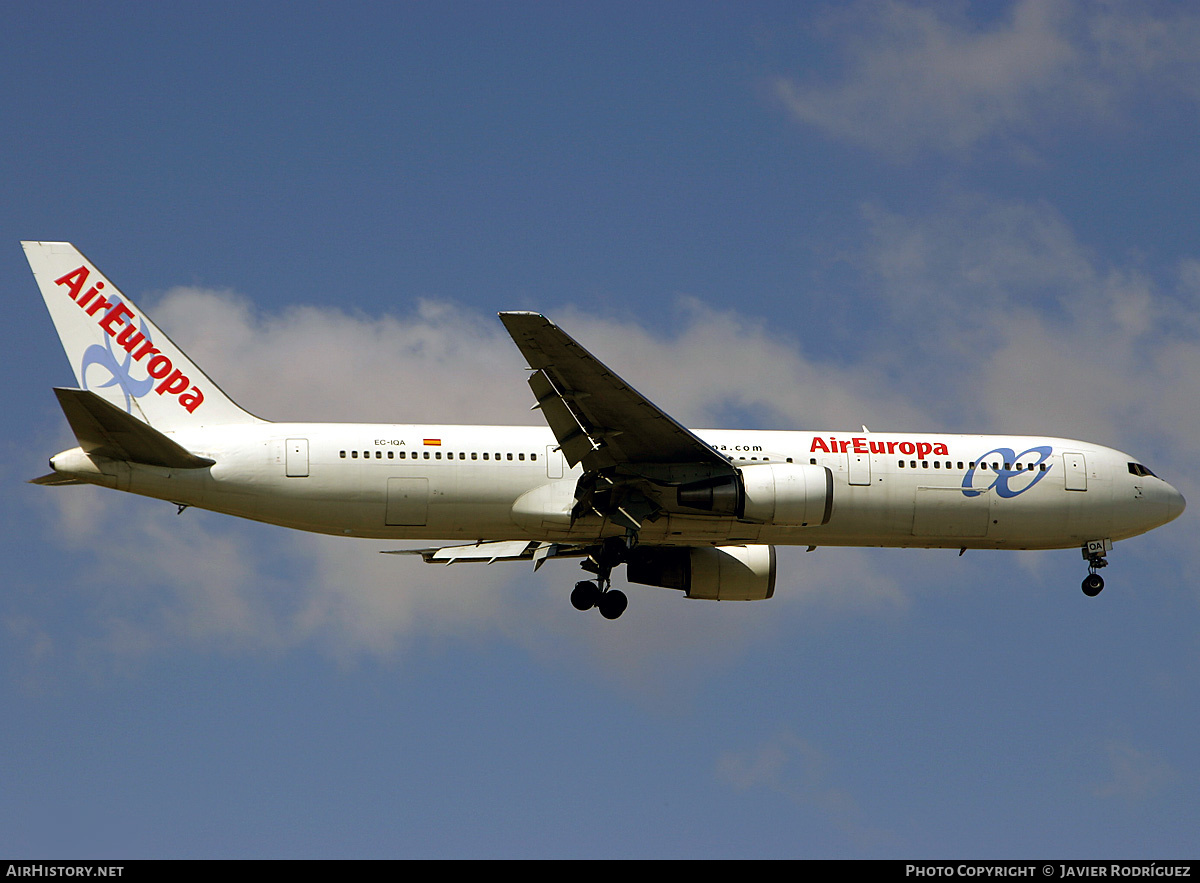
(118, 372)
(1007, 480)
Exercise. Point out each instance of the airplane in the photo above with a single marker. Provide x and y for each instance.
(611, 479)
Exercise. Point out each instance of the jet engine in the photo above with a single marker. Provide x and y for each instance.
(774, 493)
(713, 573)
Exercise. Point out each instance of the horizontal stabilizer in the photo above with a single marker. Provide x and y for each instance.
(105, 430)
(55, 480)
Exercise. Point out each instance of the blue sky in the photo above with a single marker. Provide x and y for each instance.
(955, 217)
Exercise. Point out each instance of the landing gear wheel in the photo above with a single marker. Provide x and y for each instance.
(612, 603)
(585, 595)
(1093, 584)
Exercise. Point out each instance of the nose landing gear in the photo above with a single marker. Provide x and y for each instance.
(1093, 584)
(1094, 551)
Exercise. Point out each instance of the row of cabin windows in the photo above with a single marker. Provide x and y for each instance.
(937, 464)
(1021, 467)
(437, 455)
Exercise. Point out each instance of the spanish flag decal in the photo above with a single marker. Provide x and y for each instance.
(434, 442)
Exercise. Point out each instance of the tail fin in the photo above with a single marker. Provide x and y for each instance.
(117, 352)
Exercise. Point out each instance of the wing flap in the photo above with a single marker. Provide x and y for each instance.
(501, 550)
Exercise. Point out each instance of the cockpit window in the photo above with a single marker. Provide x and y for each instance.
(1139, 469)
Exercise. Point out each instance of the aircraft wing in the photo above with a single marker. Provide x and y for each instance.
(599, 419)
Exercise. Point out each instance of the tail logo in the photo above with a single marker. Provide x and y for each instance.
(111, 315)
(106, 359)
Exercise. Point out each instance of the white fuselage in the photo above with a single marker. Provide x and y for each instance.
(469, 483)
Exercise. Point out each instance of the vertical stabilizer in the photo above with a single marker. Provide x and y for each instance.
(117, 352)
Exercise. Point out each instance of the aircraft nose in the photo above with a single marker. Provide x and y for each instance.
(1175, 503)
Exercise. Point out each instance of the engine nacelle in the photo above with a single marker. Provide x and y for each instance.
(713, 573)
(770, 493)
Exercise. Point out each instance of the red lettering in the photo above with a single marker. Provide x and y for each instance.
(192, 400)
(147, 348)
(129, 338)
(116, 314)
(87, 295)
(174, 384)
(75, 280)
(97, 305)
(159, 367)
(863, 445)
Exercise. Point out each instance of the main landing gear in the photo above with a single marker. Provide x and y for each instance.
(1094, 551)
(588, 594)
(599, 593)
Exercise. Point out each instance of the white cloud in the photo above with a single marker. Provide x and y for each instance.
(800, 771)
(1134, 774)
(1028, 330)
(927, 77)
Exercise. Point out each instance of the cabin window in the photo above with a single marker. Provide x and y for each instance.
(426, 454)
(354, 455)
(342, 454)
(510, 456)
(959, 465)
(520, 456)
(533, 456)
